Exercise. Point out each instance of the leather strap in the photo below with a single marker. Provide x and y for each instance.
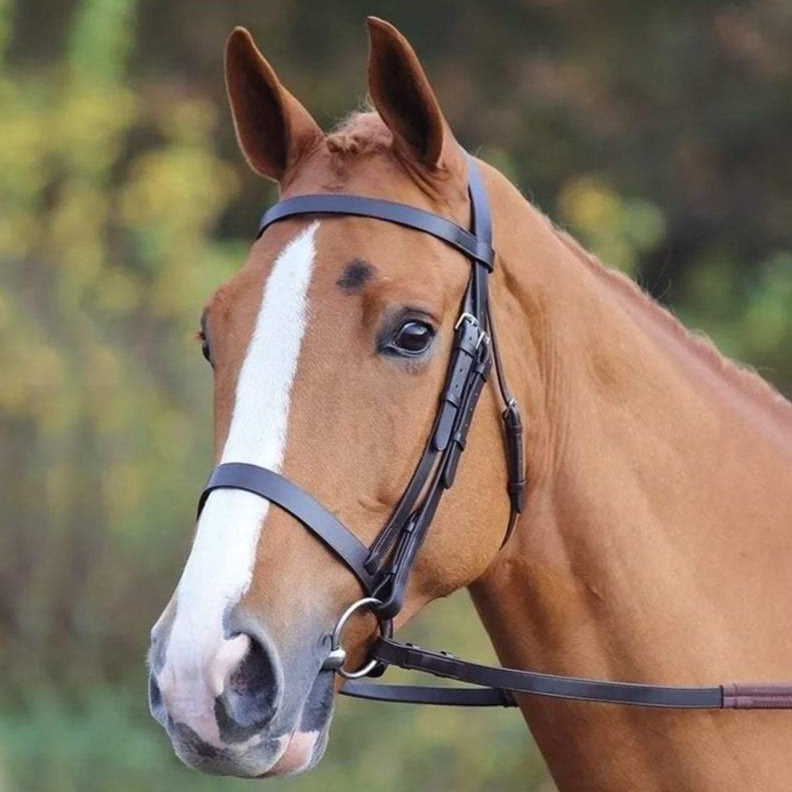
(276, 488)
(386, 538)
(429, 694)
(496, 686)
(390, 652)
(390, 211)
(481, 228)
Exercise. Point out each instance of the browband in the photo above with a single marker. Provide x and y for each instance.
(392, 212)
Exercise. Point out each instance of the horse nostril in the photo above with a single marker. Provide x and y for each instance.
(155, 697)
(250, 696)
(156, 706)
(255, 677)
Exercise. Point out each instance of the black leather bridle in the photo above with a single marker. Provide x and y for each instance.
(383, 569)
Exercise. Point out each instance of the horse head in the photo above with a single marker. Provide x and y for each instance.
(329, 349)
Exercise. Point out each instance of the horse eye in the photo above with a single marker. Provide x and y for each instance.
(412, 338)
(204, 346)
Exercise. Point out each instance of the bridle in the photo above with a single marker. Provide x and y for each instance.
(383, 569)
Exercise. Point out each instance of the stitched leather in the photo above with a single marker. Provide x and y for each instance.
(752, 695)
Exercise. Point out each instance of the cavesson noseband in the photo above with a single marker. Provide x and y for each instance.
(384, 568)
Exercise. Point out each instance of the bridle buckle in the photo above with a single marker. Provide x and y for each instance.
(463, 317)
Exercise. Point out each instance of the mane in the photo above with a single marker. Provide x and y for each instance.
(361, 132)
(741, 376)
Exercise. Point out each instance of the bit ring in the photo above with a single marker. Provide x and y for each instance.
(337, 656)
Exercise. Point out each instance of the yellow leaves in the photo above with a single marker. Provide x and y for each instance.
(124, 489)
(93, 247)
(177, 190)
(23, 167)
(617, 228)
(107, 204)
(117, 292)
(23, 133)
(589, 202)
(180, 187)
(32, 371)
(91, 123)
(74, 231)
(190, 121)
(18, 232)
(104, 367)
(168, 204)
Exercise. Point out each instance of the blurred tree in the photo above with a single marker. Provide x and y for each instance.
(99, 288)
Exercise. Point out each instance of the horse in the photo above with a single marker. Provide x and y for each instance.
(654, 540)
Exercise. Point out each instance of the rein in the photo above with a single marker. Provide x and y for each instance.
(383, 569)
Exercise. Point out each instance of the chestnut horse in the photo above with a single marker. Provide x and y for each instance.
(656, 539)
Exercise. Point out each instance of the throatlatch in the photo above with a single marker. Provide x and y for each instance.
(384, 568)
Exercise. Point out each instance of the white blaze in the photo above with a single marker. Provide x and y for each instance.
(220, 566)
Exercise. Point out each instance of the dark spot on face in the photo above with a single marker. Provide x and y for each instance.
(355, 275)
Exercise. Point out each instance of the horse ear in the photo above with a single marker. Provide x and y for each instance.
(273, 129)
(404, 99)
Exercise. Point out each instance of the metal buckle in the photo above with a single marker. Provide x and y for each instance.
(337, 656)
(483, 336)
(464, 315)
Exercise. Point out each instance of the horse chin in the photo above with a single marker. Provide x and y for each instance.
(261, 758)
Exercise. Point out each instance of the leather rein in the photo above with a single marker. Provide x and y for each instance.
(383, 569)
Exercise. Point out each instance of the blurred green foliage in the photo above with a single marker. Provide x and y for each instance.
(657, 133)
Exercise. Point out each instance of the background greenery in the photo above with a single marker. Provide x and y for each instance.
(657, 132)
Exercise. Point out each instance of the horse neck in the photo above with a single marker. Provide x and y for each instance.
(656, 542)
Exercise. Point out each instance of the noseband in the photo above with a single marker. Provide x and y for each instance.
(383, 569)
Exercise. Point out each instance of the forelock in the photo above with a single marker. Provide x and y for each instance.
(360, 133)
